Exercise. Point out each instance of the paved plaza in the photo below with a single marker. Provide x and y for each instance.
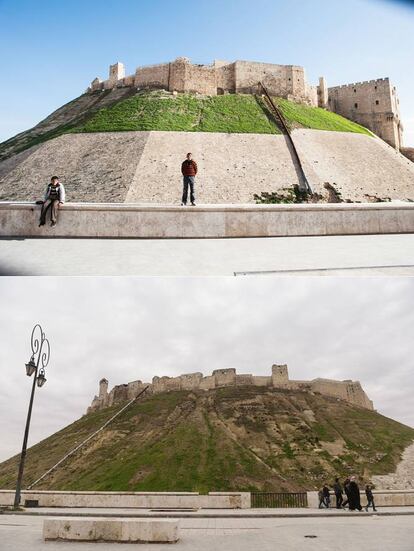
(333, 255)
(243, 532)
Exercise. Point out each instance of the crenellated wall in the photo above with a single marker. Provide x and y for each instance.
(373, 103)
(350, 391)
(287, 81)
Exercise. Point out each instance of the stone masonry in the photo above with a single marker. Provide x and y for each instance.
(221, 77)
(350, 391)
(373, 103)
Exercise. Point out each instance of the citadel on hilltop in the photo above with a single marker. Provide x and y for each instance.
(373, 104)
(350, 391)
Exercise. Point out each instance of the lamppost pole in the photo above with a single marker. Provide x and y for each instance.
(40, 357)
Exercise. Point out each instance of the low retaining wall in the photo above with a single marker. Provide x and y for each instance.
(382, 498)
(144, 500)
(126, 220)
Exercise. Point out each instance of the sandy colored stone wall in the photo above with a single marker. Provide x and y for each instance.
(197, 78)
(155, 76)
(350, 391)
(408, 152)
(280, 376)
(145, 500)
(373, 104)
(144, 167)
(231, 167)
(213, 221)
(403, 477)
(181, 75)
(225, 77)
(361, 166)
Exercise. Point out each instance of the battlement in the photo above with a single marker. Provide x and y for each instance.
(377, 106)
(384, 80)
(350, 391)
(218, 77)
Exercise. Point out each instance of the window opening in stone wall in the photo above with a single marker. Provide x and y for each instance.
(376, 102)
(354, 90)
(375, 87)
(356, 105)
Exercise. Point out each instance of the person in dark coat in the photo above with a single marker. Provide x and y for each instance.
(370, 498)
(321, 500)
(346, 490)
(354, 496)
(326, 496)
(337, 488)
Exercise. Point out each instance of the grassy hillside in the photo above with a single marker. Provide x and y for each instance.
(240, 438)
(303, 116)
(230, 113)
(126, 109)
(186, 112)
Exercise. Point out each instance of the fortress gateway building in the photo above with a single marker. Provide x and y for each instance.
(373, 104)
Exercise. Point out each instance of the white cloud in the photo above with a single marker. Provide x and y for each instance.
(135, 328)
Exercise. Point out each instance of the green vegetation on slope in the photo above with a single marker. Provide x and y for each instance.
(299, 115)
(125, 109)
(185, 112)
(235, 438)
(235, 113)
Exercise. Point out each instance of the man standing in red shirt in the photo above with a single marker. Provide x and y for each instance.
(189, 171)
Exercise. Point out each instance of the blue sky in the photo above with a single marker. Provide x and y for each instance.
(52, 49)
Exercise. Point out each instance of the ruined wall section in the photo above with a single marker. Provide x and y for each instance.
(373, 104)
(350, 391)
(189, 78)
(154, 76)
(225, 77)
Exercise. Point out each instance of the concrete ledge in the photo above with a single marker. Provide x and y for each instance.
(123, 220)
(382, 498)
(113, 530)
(142, 500)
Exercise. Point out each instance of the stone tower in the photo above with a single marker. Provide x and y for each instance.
(116, 72)
(103, 388)
(280, 376)
(322, 93)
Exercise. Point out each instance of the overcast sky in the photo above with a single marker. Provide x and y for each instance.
(134, 328)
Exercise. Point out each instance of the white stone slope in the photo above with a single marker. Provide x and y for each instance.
(144, 167)
(357, 163)
(403, 477)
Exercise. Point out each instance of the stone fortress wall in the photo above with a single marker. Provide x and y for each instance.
(240, 77)
(350, 391)
(373, 103)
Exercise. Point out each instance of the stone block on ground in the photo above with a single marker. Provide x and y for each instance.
(111, 530)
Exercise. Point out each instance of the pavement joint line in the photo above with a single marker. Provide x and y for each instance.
(216, 516)
(332, 269)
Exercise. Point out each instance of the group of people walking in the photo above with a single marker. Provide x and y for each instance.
(352, 495)
(55, 192)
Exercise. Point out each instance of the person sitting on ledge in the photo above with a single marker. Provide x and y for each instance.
(54, 197)
(189, 171)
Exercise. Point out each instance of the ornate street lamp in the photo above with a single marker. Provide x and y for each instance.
(35, 366)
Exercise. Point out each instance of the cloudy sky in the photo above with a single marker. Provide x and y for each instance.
(133, 328)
